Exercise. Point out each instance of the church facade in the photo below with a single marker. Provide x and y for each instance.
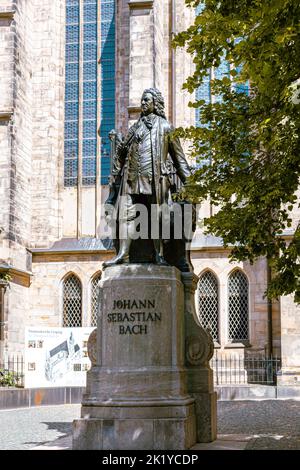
(67, 69)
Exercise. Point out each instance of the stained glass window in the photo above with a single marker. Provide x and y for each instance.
(83, 22)
(71, 93)
(108, 83)
(89, 104)
(204, 91)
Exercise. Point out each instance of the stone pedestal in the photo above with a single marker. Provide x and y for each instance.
(199, 350)
(137, 393)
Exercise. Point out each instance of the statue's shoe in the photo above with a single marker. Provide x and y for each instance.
(117, 260)
(160, 261)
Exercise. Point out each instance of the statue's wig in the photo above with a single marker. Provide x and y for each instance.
(159, 103)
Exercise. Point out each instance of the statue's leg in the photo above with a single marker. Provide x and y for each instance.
(159, 258)
(123, 255)
(126, 231)
(158, 243)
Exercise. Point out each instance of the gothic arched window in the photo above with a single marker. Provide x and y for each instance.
(208, 303)
(94, 298)
(72, 301)
(238, 310)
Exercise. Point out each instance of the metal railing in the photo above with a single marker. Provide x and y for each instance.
(228, 369)
(238, 369)
(12, 371)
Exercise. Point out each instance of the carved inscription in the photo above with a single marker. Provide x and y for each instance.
(133, 317)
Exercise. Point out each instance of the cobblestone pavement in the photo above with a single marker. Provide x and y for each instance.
(273, 424)
(265, 424)
(25, 428)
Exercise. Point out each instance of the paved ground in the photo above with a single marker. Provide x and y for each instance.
(265, 424)
(26, 428)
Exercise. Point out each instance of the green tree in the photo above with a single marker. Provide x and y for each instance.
(252, 140)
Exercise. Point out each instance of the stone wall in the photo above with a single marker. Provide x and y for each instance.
(47, 106)
(290, 341)
(31, 131)
(16, 145)
(5, 155)
(141, 55)
(21, 169)
(184, 116)
(6, 55)
(17, 298)
(122, 65)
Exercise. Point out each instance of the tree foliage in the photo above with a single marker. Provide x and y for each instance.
(251, 139)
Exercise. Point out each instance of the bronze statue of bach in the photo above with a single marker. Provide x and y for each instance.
(143, 165)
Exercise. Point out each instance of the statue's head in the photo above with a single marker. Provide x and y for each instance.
(152, 102)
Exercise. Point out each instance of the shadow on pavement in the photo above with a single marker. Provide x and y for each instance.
(64, 428)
